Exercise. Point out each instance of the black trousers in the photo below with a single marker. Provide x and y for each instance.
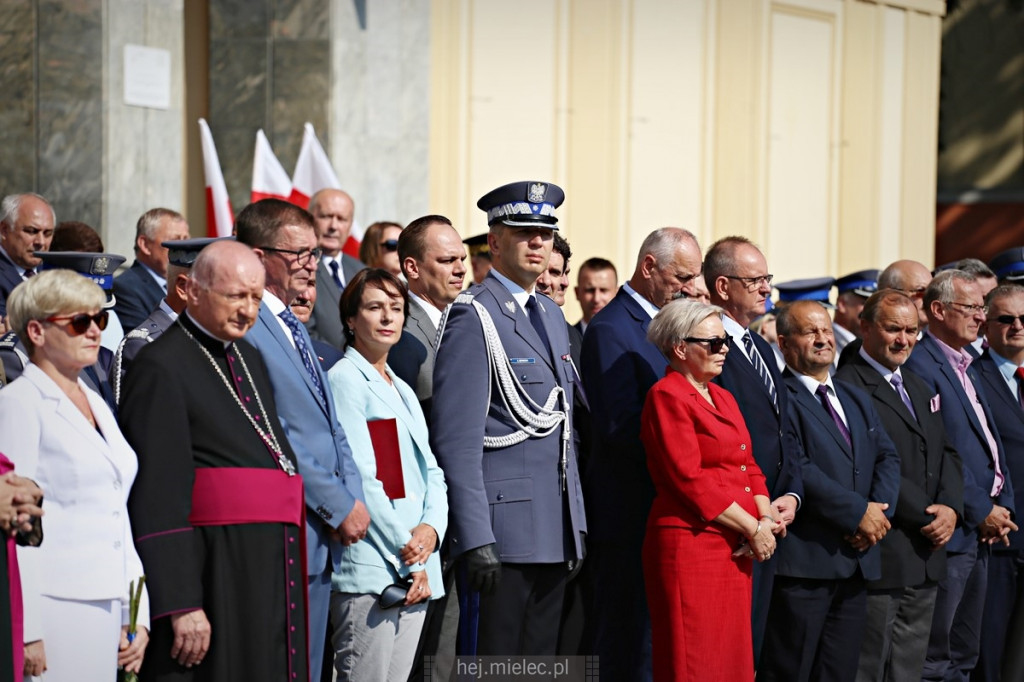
(522, 617)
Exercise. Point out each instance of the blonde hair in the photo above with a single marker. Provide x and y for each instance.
(677, 320)
(51, 292)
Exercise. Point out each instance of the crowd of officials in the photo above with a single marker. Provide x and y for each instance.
(262, 458)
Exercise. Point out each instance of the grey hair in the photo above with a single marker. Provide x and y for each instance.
(1004, 291)
(677, 320)
(663, 244)
(149, 222)
(941, 288)
(11, 204)
(975, 267)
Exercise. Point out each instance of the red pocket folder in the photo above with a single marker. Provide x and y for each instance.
(384, 435)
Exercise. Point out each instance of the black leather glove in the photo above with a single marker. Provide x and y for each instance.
(483, 568)
(576, 565)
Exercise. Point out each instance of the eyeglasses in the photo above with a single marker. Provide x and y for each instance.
(80, 323)
(914, 293)
(389, 245)
(715, 343)
(1007, 319)
(970, 308)
(753, 283)
(302, 256)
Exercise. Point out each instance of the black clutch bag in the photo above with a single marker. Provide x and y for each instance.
(393, 595)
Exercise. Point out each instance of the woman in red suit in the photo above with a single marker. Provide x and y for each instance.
(711, 515)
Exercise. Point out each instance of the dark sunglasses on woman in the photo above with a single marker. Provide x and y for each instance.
(81, 322)
(389, 244)
(715, 343)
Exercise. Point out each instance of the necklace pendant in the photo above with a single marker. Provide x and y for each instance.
(286, 464)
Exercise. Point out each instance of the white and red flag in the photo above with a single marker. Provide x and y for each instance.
(269, 179)
(314, 172)
(219, 217)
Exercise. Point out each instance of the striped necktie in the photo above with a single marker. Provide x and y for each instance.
(760, 368)
(302, 346)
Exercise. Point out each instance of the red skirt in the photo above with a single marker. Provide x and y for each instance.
(699, 600)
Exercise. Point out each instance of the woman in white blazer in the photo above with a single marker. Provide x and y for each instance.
(372, 642)
(63, 436)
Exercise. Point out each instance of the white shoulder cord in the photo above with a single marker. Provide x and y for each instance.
(119, 358)
(532, 420)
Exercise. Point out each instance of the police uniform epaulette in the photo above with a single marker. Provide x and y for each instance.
(8, 341)
(465, 297)
(137, 333)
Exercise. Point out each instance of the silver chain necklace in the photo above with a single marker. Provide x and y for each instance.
(267, 436)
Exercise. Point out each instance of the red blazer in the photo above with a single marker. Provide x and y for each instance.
(699, 456)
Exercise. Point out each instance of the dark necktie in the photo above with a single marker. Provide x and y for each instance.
(760, 368)
(308, 360)
(1020, 385)
(823, 394)
(533, 310)
(336, 274)
(30, 272)
(897, 383)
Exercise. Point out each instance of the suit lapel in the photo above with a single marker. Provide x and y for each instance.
(67, 411)
(950, 375)
(886, 393)
(392, 396)
(813, 407)
(523, 326)
(267, 318)
(995, 385)
(422, 322)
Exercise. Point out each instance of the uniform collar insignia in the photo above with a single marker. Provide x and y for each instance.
(511, 305)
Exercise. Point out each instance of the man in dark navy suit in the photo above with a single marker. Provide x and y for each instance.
(737, 278)
(139, 290)
(501, 428)
(901, 603)
(1002, 380)
(955, 310)
(619, 366)
(26, 226)
(851, 478)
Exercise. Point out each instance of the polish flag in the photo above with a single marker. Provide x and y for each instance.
(314, 172)
(269, 179)
(219, 218)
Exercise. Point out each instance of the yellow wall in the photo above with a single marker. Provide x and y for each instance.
(808, 125)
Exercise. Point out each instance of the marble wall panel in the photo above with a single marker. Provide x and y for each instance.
(301, 92)
(307, 19)
(17, 82)
(70, 49)
(239, 19)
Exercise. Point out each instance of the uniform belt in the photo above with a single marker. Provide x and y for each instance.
(229, 496)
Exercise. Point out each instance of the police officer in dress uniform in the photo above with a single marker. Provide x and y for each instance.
(502, 430)
(181, 254)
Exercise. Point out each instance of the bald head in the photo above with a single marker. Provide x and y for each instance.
(333, 211)
(225, 289)
(910, 277)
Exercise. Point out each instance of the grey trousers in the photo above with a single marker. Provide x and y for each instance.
(896, 634)
(371, 643)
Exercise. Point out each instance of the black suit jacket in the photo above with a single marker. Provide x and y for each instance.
(136, 294)
(1009, 419)
(930, 473)
(9, 278)
(839, 481)
(774, 451)
(325, 322)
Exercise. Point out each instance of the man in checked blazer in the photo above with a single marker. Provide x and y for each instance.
(955, 311)
(901, 602)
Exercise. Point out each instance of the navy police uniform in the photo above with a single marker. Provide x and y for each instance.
(514, 496)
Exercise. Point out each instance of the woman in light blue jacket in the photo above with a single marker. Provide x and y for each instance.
(408, 504)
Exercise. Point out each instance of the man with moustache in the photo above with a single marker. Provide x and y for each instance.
(956, 310)
(596, 283)
(433, 260)
(619, 365)
(283, 237)
(217, 506)
(1001, 368)
(738, 281)
(333, 212)
(851, 478)
(501, 429)
(901, 602)
(26, 226)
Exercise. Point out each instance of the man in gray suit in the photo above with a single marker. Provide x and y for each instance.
(501, 428)
(332, 212)
(433, 260)
(282, 235)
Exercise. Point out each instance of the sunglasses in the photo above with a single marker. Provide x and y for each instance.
(715, 343)
(390, 245)
(81, 322)
(1007, 319)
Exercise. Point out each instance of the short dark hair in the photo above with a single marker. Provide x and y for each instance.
(413, 240)
(1003, 291)
(370, 251)
(598, 264)
(72, 235)
(562, 247)
(885, 296)
(348, 306)
(259, 223)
